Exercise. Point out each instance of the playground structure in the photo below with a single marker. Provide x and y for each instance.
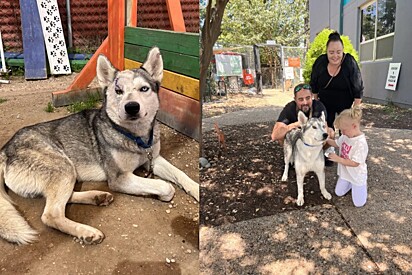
(127, 46)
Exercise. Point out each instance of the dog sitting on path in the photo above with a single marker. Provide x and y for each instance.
(304, 148)
(94, 145)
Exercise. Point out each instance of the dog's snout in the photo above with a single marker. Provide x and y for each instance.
(325, 135)
(132, 108)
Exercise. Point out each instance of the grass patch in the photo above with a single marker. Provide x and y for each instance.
(91, 102)
(2, 100)
(49, 108)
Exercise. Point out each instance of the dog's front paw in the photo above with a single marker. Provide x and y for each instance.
(327, 195)
(89, 235)
(103, 199)
(284, 178)
(168, 195)
(300, 201)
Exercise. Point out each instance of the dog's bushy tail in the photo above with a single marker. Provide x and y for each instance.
(13, 227)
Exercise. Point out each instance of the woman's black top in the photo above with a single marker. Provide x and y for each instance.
(342, 90)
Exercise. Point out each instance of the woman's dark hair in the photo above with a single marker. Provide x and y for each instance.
(334, 36)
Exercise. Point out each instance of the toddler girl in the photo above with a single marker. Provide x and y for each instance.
(353, 150)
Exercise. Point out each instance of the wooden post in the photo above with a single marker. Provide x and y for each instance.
(133, 13)
(174, 10)
(112, 47)
(33, 43)
(117, 20)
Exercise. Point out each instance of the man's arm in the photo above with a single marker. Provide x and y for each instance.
(281, 129)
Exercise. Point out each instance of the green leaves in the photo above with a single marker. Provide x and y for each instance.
(255, 21)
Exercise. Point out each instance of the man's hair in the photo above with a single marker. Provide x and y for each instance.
(302, 86)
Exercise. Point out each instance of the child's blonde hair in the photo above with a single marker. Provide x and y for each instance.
(354, 114)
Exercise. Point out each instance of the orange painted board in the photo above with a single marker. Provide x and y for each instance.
(88, 73)
(176, 18)
(180, 112)
(116, 20)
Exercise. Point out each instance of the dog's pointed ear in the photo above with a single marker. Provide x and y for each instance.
(154, 64)
(302, 118)
(105, 71)
(323, 117)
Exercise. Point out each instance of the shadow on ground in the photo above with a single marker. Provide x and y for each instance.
(250, 223)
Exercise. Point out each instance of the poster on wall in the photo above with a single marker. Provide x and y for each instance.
(393, 74)
(228, 65)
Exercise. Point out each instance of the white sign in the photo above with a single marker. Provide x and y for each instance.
(289, 73)
(270, 42)
(393, 74)
(228, 65)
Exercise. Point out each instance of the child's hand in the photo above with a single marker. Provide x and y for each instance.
(333, 157)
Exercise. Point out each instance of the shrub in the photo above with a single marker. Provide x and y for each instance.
(318, 47)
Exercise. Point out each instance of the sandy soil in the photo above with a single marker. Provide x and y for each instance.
(142, 234)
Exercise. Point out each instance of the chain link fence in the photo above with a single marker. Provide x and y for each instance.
(232, 70)
(293, 64)
(89, 21)
(153, 14)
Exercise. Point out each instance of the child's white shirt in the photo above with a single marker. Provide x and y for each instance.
(355, 149)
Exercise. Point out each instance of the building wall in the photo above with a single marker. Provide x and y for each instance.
(374, 73)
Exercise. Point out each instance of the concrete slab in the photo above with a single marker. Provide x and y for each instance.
(328, 239)
(316, 241)
(383, 225)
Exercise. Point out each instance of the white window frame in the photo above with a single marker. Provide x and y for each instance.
(375, 39)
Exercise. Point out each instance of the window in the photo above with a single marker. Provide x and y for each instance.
(377, 30)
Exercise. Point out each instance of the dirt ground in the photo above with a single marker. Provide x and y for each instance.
(143, 234)
(235, 187)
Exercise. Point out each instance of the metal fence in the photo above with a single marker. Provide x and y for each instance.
(221, 85)
(270, 66)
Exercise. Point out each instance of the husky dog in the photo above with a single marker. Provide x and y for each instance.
(94, 145)
(303, 148)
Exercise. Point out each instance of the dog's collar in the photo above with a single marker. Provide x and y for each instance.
(138, 140)
(310, 145)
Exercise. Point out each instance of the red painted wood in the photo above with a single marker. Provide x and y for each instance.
(180, 112)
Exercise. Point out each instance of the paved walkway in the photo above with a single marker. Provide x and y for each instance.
(324, 239)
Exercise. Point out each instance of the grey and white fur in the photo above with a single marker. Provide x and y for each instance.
(304, 148)
(48, 158)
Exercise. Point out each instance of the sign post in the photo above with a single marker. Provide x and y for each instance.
(393, 74)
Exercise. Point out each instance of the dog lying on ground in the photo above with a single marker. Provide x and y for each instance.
(304, 148)
(94, 145)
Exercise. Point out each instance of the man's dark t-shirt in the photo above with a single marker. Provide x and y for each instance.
(289, 114)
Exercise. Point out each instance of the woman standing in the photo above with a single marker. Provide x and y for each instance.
(336, 79)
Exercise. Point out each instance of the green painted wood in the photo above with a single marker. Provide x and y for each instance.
(178, 42)
(19, 62)
(178, 63)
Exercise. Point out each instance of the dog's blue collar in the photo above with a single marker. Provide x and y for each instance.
(138, 140)
(309, 145)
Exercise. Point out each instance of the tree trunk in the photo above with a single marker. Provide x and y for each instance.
(209, 34)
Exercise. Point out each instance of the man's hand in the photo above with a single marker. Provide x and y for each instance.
(293, 125)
